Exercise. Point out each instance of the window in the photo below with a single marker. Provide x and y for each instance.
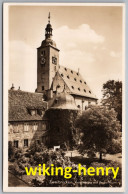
(62, 75)
(68, 76)
(42, 88)
(77, 73)
(16, 142)
(75, 79)
(25, 142)
(15, 128)
(72, 87)
(89, 103)
(78, 106)
(80, 81)
(84, 82)
(42, 53)
(43, 126)
(25, 127)
(65, 69)
(54, 60)
(79, 89)
(56, 101)
(85, 107)
(71, 71)
(38, 141)
(84, 90)
(35, 126)
(33, 112)
(89, 91)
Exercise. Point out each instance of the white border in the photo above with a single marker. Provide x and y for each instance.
(5, 106)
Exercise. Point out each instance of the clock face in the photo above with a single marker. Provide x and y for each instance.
(43, 60)
(54, 60)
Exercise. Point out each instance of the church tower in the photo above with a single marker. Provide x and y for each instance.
(47, 60)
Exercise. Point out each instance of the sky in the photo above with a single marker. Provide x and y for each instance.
(88, 37)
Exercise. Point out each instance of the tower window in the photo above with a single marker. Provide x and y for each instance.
(68, 76)
(80, 81)
(54, 60)
(71, 71)
(72, 87)
(78, 106)
(84, 82)
(62, 75)
(84, 90)
(42, 87)
(77, 73)
(65, 69)
(79, 89)
(75, 79)
(42, 53)
(89, 91)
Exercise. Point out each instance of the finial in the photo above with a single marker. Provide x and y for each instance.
(49, 18)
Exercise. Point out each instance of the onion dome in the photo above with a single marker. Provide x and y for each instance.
(47, 42)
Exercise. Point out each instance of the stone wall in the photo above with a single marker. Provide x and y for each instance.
(31, 130)
(61, 123)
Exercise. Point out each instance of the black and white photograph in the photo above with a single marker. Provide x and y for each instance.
(63, 75)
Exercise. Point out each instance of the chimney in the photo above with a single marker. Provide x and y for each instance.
(12, 88)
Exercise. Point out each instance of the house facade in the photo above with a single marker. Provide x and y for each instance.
(26, 118)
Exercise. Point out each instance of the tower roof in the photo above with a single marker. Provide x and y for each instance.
(64, 100)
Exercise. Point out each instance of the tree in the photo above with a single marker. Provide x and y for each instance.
(99, 129)
(112, 96)
(11, 150)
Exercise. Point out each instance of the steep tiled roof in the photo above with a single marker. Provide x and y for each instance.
(20, 102)
(75, 82)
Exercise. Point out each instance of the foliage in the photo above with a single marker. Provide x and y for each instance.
(11, 150)
(36, 147)
(112, 96)
(99, 130)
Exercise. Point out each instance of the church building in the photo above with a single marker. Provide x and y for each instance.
(43, 115)
(53, 78)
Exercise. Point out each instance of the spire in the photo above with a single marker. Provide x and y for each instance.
(49, 18)
(48, 29)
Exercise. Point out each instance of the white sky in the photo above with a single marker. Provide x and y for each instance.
(89, 38)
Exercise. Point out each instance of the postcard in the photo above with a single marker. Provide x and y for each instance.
(63, 93)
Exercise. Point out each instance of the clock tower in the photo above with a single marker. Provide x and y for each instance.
(47, 60)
